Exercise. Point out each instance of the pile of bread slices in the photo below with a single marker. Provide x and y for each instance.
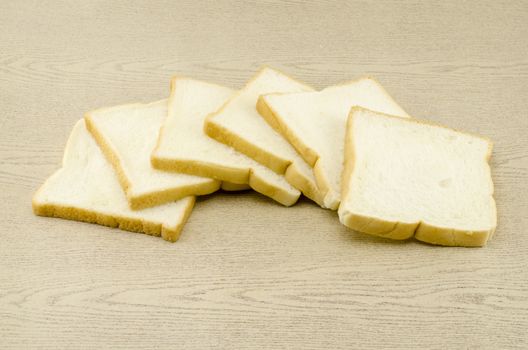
(348, 147)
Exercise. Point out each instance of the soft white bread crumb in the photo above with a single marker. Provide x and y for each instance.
(239, 125)
(127, 135)
(184, 147)
(86, 189)
(405, 178)
(314, 123)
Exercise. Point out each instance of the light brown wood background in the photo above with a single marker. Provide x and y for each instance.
(248, 273)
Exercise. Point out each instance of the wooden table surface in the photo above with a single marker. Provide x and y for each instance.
(248, 273)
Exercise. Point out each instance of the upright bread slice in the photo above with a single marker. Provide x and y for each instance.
(127, 135)
(405, 178)
(314, 123)
(86, 188)
(184, 147)
(238, 125)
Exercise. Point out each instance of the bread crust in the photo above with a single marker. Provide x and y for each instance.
(149, 199)
(420, 230)
(171, 234)
(273, 118)
(232, 175)
(276, 163)
(309, 155)
(91, 216)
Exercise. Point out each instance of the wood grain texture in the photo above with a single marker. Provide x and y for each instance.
(248, 273)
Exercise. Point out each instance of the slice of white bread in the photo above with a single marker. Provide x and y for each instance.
(86, 189)
(314, 123)
(127, 134)
(405, 178)
(184, 147)
(239, 125)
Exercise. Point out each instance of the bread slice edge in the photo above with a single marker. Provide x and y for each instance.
(170, 234)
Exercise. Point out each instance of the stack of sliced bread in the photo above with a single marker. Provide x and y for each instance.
(348, 147)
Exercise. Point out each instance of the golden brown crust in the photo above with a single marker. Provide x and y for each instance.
(150, 199)
(262, 186)
(126, 223)
(315, 192)
(193, 167)
(272, 118)
(286, 168)
(153, 199)
(308, 188)
(162, 127)
(225, 136)
(170, 234)
(452, 237)
(200, 168)
(349, 156)
(233, 175)
(268, 114)
(378, 227)
(307, 153)
(420, 230)
(109, 153)
(324, 185)
(278, 164)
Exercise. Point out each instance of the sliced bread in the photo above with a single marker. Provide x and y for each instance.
(405, 178)
(238, 125)
(127, 135)
(184, 147)
(314, 123)
(86, 189)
